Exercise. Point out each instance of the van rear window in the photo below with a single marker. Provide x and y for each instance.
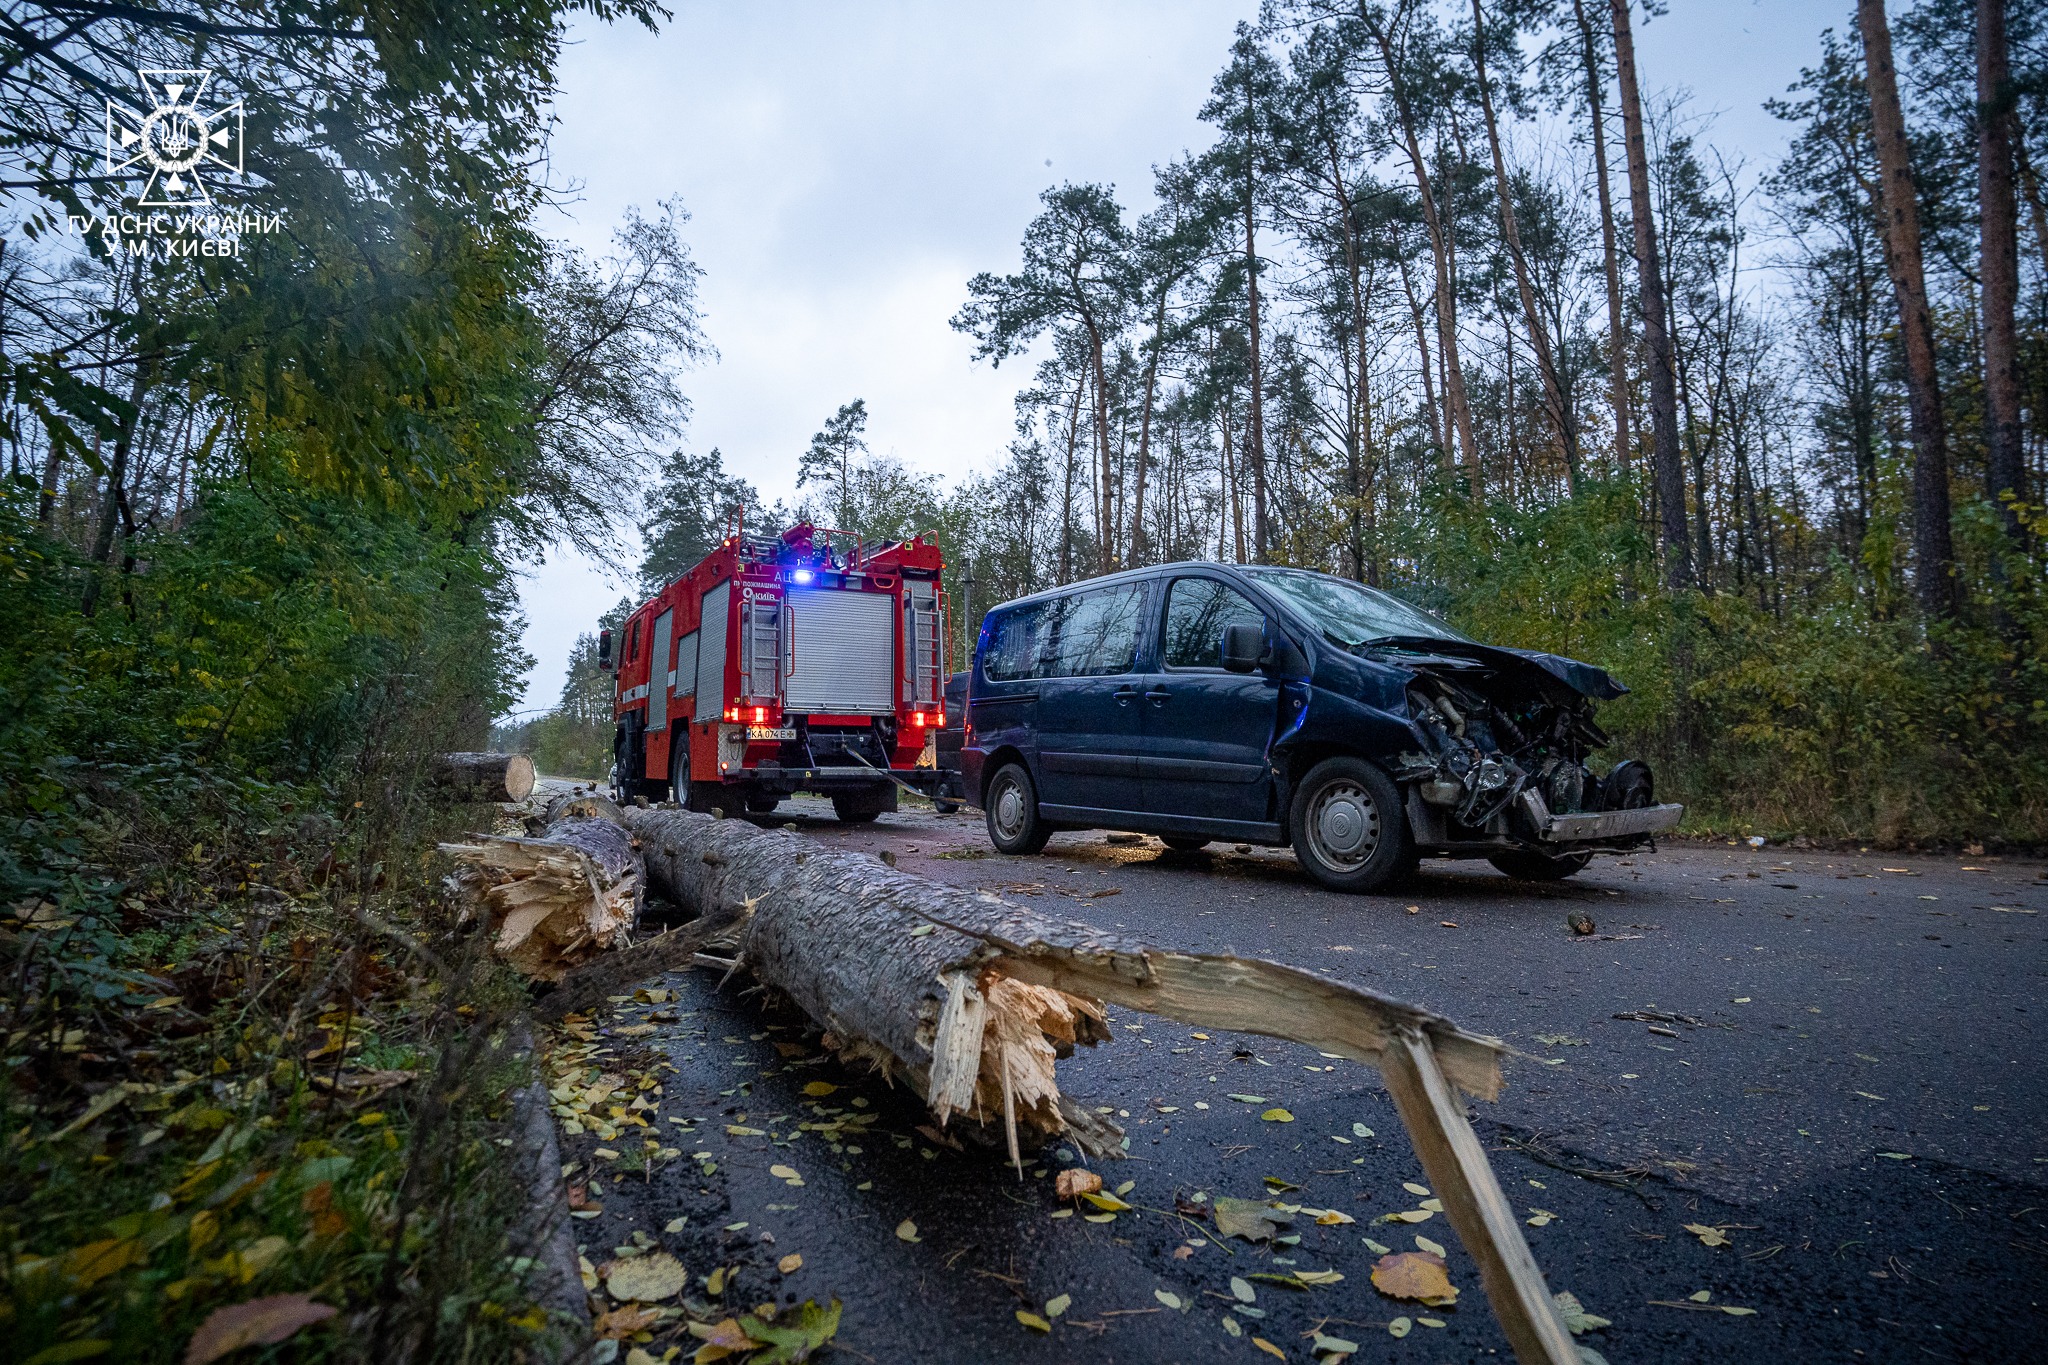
(1083, 635)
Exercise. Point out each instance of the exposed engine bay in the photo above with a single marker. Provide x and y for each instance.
(1508, 735)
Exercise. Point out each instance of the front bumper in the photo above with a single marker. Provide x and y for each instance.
(1600, 826)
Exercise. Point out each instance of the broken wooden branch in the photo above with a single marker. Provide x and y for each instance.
(557, 898)
(483, 777)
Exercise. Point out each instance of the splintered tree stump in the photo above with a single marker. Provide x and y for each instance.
(556, 899)
(484, 777)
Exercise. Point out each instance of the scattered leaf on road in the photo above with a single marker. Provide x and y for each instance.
(1433, 1248)
(1171, 1300)
(655, 1276)
(1277, 1116)
(1575, 1315)
(1400, 1327)
(1242, 1290)
(791, 1263)
(907, 1230)
(1268, 1347)
(1076, 1181)
(1247, 1218)
(1412, 1275)
(1033, 1321)
(1058, 1305)
(1712, 1237)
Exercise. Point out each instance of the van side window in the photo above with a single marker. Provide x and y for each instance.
(1015, 641)
(1095, 634)
(1197, 610)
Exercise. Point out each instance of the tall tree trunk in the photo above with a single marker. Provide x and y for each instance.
(1617, 341)
(1998, 232)
(1105, 514)
(1555, 404)
(1067, 489)
(1255, 439)
(1459, 418)
(1138, 545)
(1438, 436)
(1666, 462)
(1932, 546)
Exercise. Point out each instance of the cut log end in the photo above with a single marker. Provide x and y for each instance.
(484, 777)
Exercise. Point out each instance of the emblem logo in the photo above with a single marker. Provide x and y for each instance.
(181, 142)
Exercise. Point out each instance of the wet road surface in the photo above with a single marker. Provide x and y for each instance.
(1834, 1062)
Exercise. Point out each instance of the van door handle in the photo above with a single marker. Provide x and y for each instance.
(1125, 695)
(1158, 696)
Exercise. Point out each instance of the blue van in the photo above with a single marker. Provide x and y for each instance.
(1262, 705)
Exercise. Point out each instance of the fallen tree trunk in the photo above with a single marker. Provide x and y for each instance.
(483, 777)
(971, 999)
(557, 898)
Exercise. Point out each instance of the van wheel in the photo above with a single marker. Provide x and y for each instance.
(1540, 867)
(1183, 843)
(1014, 825)
(1350, 833)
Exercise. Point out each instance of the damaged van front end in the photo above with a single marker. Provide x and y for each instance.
(1487, 746)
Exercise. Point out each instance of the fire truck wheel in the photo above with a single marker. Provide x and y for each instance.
(1014, 825)
(762, 805)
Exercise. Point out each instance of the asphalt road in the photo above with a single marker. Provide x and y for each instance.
(1842, 1075)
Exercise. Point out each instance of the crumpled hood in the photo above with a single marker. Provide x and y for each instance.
(1546, 671)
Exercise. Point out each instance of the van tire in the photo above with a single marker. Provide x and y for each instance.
(1350, 832)
(1011, 806)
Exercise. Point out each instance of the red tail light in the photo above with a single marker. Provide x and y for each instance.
(760, 715)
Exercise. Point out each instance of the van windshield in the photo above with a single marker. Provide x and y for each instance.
(1349, 613)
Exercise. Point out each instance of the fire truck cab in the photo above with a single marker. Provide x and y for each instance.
(800, 663)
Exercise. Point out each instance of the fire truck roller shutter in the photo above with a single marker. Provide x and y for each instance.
(658, 674)
(845, 652)
(685, 685)
(711, 652)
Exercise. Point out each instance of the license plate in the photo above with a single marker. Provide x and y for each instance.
(769, 732)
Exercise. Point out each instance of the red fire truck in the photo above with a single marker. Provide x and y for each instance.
(803, 663)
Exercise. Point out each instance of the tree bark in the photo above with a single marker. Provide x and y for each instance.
(1555, 404)
(1666, 462)
(1998, 235)
(1899, 206)
(484, 777)
(1617, 344)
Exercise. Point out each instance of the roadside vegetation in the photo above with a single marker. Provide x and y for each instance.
(260, 518)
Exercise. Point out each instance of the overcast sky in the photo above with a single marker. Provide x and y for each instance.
(849, 166)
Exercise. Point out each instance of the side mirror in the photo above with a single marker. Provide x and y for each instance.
(1244, 645)
(604, 650)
